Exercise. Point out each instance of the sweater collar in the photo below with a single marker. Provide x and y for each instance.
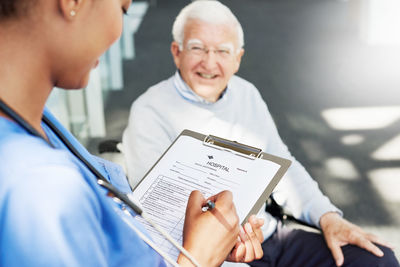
(187, 93)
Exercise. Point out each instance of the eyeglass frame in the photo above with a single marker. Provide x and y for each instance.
(204, 50)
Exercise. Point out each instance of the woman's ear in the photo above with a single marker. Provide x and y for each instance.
(70, 8)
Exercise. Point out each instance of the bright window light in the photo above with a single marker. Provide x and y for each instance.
(361, 118)
(382, 22)
(352, 139)
(389, 151)
(341, 168)
(387, 182)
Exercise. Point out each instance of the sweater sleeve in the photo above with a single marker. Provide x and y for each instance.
(297, 191)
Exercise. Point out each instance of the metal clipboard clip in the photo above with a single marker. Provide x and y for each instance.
(232, 146)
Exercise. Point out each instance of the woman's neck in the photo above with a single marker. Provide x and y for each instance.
(25, 82)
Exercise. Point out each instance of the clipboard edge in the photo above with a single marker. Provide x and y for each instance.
(284, 166)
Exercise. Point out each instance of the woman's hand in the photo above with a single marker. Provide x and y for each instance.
(211, 235)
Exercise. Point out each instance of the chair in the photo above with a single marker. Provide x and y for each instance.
(285, 217)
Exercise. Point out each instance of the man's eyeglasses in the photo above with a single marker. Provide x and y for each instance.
(223, 52)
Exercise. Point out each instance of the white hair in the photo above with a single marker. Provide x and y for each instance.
(209, 11)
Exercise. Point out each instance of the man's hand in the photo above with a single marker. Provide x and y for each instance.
(209, 236)
(248, 247)
(339, 232)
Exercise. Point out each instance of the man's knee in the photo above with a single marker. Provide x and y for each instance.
(388, 259)
(355, 256)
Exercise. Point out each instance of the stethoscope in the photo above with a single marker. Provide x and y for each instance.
(102, 181)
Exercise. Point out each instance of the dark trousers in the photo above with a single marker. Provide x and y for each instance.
(294, 247)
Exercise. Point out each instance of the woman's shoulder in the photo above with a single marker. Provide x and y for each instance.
(26, 158)
(17, 147)
(39, 177)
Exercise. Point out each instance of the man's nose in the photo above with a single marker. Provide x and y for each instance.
(210, 59)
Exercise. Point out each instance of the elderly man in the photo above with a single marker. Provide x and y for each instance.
(204, 95)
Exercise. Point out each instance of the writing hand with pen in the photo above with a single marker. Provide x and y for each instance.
(215, 235)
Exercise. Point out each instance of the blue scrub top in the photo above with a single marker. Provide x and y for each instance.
(53, 213)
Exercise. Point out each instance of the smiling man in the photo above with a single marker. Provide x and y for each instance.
(207, 57)
(206, 96)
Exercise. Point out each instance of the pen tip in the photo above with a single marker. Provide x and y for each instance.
(210, 204)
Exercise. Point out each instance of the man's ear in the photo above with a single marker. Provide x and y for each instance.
(70, 8)
(175, 51)
(238, 58)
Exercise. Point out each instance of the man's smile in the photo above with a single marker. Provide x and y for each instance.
(206, 75)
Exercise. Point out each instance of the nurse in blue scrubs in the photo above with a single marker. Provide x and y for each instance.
(52, 210)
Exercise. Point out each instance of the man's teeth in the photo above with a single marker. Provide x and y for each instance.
(207, 76)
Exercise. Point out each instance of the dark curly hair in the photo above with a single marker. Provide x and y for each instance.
(14, 8)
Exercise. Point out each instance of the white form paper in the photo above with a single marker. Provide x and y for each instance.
(189, 165)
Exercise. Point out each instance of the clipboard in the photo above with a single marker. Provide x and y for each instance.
(208, 163)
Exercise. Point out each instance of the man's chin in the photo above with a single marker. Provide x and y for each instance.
(208, 92)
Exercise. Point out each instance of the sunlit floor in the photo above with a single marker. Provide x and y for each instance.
(333, 93)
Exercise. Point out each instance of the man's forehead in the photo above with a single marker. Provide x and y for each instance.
(202, 30)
